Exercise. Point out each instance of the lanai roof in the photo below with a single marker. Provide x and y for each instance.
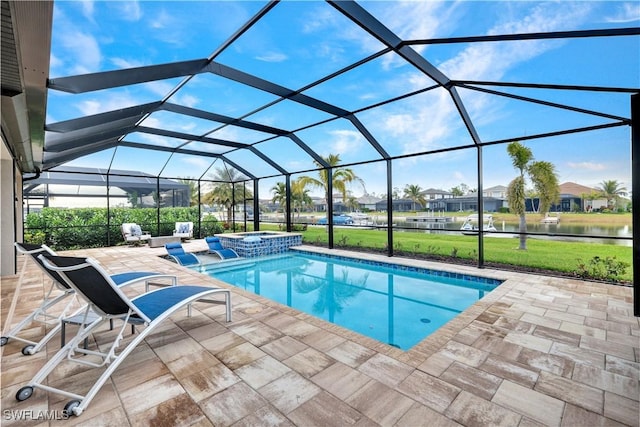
(252, 116)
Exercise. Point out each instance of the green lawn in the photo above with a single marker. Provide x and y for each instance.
(540, 254)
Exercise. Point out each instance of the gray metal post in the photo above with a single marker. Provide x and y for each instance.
(256, 205)
(199, 211)
(480, 212)
(287, 203)
(108, 214)
(330, 205)
(635, 198)
(158, 206)
(389, 210)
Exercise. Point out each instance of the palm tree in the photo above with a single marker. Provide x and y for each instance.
(545, 182)
(299, 195)
(193, 190)
(342, 177)
(280, 196)
(414, 192)
(612, 190)
(223, 193)
(352, 203)
(460, 190)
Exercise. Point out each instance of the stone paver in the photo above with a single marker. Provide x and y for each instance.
(535, 405)
(341, 380)
(535, 351)
(469, 410)
(380, 403)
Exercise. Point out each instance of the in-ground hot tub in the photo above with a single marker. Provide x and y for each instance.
(257, 243)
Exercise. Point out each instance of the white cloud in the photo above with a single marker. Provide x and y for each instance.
(427, 120)
(162, 20)
(415, 20)
(272, 57)
(55, 62)
(345, 141)
(130, 10)
(588, 166)
(421, 124)
(106, 102)
(201, 162)
(82, 50)
(168, 28)
(88, 9)
(459, 176)
(187, 100)
(122, 63)
(159, 87)
(626, 12)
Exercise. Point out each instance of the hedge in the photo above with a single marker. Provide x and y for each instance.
(79, 228)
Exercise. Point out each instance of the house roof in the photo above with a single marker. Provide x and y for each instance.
(128, 181)
(496, 188)
(365, 200)
(575, 189)
(435, 191)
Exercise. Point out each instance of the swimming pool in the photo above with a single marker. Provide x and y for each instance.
(394, 304)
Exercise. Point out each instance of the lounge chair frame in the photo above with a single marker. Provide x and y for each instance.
(42, 315)
(179, 255)
(215, 247)
(108, 301)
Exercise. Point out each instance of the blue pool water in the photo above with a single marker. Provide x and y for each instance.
(394, 304)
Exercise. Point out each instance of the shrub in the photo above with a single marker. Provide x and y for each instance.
(78, 228)
(598, 268)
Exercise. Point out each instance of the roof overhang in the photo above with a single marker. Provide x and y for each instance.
(26, 50)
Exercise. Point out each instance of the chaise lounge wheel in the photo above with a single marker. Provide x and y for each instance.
(70, 408)
(24, 393)
(27, 350)
(3, 341)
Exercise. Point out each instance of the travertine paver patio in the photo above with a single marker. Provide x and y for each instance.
(536, 351)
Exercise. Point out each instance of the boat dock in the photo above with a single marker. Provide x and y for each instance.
(430, 219)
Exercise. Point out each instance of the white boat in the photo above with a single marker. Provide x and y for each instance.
(361, 219)
(550, 219)
(470, 225)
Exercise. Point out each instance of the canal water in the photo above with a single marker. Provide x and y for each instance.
(557, 230)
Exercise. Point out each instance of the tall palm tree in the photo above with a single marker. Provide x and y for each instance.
(342, 178)
(223, 194)
(414, 192)
(543, 177)
(612, 190)
(280, 196)
(299, 195)
(193, 190)
(352, 203)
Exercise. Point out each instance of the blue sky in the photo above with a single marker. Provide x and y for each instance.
(297, 43)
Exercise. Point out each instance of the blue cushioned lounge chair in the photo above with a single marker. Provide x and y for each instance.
(176, 251)
(59, 302)
(215, 247)
(107, 301)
